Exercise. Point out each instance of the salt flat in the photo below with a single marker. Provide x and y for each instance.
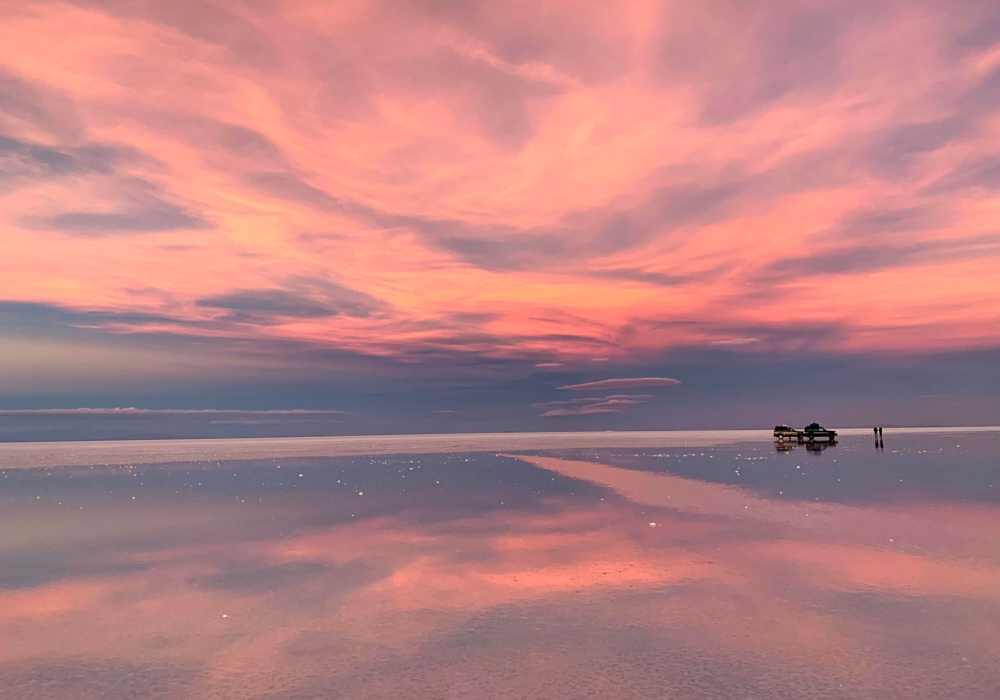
(27, 455)
(686, 570)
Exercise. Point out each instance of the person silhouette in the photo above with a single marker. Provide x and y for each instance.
(880, 433)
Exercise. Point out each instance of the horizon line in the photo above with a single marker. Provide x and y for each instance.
(92, 453)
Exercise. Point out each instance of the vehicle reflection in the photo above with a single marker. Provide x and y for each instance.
(817, 447)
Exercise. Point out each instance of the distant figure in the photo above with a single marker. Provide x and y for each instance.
(876, 432)
(880, 433)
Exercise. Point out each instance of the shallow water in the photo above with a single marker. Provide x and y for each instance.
(740, 570)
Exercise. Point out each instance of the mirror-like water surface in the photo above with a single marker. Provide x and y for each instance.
(743, 570)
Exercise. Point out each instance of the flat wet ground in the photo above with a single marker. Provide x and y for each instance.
(741, 570)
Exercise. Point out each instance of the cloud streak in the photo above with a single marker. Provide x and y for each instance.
(421, 182)
(617, 403)
(621, 383)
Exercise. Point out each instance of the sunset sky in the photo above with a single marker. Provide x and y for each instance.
(461, 215)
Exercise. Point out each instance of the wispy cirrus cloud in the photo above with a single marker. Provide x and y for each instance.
(735, 341)
(299, 298)
(569, 183)
(630, 383)
(591, 410)
(590, 406)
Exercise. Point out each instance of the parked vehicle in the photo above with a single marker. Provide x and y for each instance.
(815, 431)
(811, 433)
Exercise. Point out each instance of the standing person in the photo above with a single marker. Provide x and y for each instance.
(880, 433)
(876, 433)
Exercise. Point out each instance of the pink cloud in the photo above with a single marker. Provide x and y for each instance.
(589, 180)
(589, 406)
(620, 398)
(622, 383)
(735, 341)
(581, 411)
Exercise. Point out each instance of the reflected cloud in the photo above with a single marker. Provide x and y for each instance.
(653, 574)
(866, 526)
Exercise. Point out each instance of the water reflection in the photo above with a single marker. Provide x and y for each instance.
(788, 446)
(942, 467)
(529, 576)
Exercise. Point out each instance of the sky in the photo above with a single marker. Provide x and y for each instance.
(446, 215)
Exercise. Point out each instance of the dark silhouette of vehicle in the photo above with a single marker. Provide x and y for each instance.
(815, 431)
(811, 433)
